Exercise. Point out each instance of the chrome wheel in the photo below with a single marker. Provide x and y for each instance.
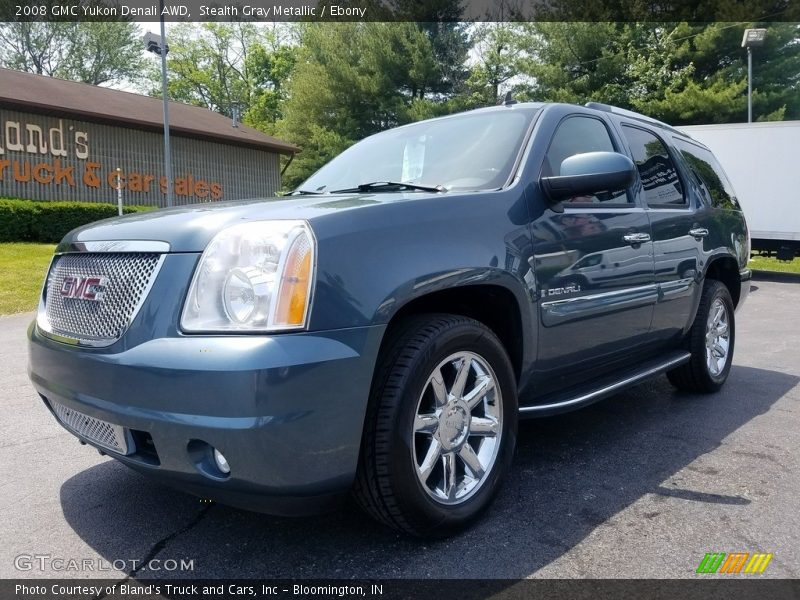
(457, 428)
(717, 337)
(440, 428)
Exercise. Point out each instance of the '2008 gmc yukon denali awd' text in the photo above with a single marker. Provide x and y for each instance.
(381, 331)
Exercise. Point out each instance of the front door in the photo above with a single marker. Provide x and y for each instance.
(593, 265)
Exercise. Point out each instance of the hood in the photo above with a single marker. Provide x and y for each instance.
(190, 228)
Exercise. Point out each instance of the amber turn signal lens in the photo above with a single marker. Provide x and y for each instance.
(295, 286)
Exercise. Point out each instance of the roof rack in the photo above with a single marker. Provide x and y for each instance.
(630, 114)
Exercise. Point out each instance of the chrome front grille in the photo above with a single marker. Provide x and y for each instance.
(109, 436)
(127, 278)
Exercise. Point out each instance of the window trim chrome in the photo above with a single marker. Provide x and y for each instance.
(115, 246)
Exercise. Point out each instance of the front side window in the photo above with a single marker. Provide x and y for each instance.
(578, 135)
(660, 180)
(473, 151)
(714, 185)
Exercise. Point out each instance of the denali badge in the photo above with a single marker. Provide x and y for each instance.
(84, 288)
(569, 289)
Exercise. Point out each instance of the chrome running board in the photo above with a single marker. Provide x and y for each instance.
(646, 371)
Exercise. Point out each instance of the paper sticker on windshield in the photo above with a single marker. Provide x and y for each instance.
(413, 159)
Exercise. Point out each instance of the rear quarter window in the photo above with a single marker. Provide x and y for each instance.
(715, 188)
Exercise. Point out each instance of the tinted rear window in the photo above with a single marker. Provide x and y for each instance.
(714, 185)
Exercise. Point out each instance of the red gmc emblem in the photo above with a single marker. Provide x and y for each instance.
(84, 288)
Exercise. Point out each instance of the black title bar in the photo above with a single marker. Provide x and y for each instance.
(402, 10)
(705, 588)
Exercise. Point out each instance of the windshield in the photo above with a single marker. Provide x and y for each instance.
(473, 151)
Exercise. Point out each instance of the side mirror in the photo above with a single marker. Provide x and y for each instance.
(589, 174)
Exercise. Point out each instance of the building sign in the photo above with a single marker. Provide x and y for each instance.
(33, 153)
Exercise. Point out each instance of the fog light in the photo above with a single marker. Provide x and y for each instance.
(221, 461)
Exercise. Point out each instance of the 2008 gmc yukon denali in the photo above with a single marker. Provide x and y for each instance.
(381, 331)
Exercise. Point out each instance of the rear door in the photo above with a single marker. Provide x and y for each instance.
(593, 265)
(677, 234)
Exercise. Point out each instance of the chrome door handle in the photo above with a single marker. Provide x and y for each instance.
(636, 238)
(698, 232)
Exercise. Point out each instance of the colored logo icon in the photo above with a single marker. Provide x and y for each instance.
(734, 562)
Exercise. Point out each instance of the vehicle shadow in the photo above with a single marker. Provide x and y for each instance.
(571, 474)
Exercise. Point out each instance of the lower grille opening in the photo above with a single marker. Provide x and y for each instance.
(145, 448)
(106, 435)
(132, 443)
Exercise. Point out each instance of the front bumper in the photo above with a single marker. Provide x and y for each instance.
(287, 411)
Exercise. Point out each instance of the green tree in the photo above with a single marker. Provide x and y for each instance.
(230, 67)
(450, 44)
(353, 80)
(270, 69)
(497, 52)
(716, 89)
(442, 22)
(207, 64)
(681, 73)
(99, 53)
(575, 62)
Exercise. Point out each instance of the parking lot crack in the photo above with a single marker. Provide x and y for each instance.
(156, 548)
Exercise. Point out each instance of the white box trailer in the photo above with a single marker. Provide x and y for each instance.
(762, 160)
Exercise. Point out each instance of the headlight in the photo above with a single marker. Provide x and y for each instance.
(256, 276)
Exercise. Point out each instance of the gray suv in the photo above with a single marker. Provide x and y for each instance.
(380, 332)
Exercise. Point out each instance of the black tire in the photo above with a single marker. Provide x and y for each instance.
(695, 375)
(387, 486)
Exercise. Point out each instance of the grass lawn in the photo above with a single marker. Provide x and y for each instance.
(22, 271)
(762, 263)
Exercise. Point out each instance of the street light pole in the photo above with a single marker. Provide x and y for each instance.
(752, 39)
(167, 149)
(749, 84)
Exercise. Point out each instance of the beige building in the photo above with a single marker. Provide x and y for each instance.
(61, 140)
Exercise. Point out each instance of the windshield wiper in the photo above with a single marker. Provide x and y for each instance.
(375, 186)
(306, 193)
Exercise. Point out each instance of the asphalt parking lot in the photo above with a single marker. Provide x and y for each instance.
(641, 485)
